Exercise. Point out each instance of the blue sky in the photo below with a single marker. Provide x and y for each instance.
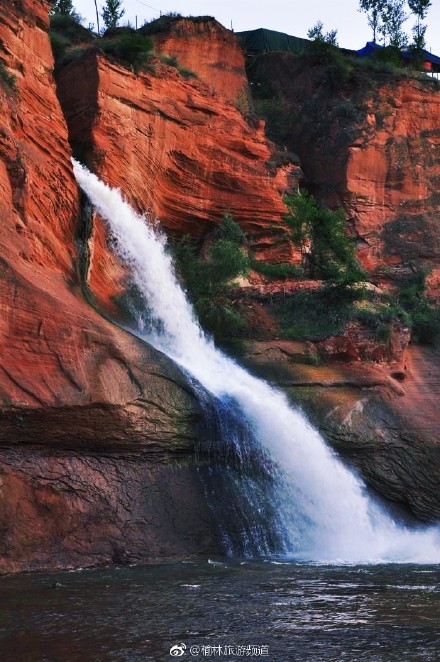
(294, 16)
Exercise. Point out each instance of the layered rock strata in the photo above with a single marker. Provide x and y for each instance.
(381, 419)
(93, 423)
(177, 150)
(371, 142)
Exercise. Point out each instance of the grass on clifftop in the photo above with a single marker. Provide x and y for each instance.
(70, 41)
(164, 23)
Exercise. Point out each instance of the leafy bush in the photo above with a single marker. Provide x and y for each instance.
(320, 234)
(226, 260)
(409, 307)
(207, 281)
(390, 55)
(72, 54)
(171, 61)
(278, 115)
(117, 31)
(8, 79)
(129, 47)
(70, 27)
(308, 315)
(164, 23)
(229, 230)
(282, 270)
(425, 318)
(186, 73)
(383, 333)
(59, 45)
(381, 312)
(161, 24)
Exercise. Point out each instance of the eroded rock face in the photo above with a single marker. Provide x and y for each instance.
(38, 193)
(171, 145)
(209, 50)
(67, 509)
(90, 416)
(392, 179)
(372, 145)
(174, 147)
(381, 419)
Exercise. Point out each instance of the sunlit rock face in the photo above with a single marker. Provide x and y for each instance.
(85, 408)
(178, 147)
(372, 144)
(97, 430)
(208, 49)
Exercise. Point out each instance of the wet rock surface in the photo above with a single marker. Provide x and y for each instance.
(382, 421)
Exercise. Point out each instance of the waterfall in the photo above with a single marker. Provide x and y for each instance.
(323, 510)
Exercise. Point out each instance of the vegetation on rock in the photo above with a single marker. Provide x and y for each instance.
(112, 12)
(327, 252)
(208, 280)
(9, 80)
(70, 41)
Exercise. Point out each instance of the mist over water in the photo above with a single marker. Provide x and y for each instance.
(323, 510)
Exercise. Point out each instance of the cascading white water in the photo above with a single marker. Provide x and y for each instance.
(327, 513)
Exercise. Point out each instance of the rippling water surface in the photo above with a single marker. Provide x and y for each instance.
(300, 612)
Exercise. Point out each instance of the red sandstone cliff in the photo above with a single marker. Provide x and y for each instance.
(209, 50)
(82, 403)
(175, 147)
(369, 142)
(172, 145)
(89, 415)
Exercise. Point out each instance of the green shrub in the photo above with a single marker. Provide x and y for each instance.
(171, 61)
(282, 270)
(73, 54)
(409, 307)
(186, 73)
(380, 312)
(426, 325)
(59, 45)
(129, 47)
(226, 260)
(164, 23)
(278, 115)
(383, 333)
(9, 80)
(425, 318)
(230, 231)
(161, 24)
(332, 253)
(70, 27)
(308, 315)
(390, 55)
(207, 281)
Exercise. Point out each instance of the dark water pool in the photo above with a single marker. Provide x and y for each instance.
(251, 610)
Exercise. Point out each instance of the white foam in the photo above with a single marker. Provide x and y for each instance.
(327, 512)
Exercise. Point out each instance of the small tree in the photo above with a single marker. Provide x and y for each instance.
(112, 13)
(207, 279)
(316, 33)
(374, 9)
(420, 9)
(393, 18)
(332, 253)
(64, 8)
